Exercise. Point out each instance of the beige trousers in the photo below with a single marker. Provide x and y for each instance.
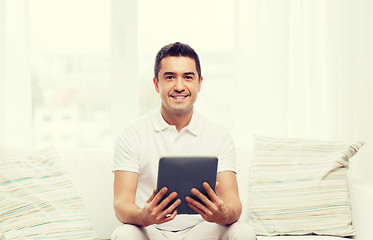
(202, 231)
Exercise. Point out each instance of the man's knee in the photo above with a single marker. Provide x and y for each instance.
(128, 232)
(240, 231)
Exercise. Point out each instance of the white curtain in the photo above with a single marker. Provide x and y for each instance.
(15, 78)
(305, 70)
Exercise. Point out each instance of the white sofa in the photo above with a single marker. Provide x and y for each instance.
(90, 170)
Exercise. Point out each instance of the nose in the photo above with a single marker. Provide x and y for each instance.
(179, 85)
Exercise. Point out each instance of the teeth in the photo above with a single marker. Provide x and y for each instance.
(179, 97)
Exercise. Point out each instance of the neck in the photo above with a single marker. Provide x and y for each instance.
(179, 120)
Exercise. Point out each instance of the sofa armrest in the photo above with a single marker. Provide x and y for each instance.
(361, 194)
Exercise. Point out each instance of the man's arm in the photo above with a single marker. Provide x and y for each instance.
(224, 206)
(125, 186)
(228, 192)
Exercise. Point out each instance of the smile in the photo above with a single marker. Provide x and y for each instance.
(179, 97)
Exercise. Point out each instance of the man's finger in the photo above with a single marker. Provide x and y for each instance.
(152, 196)
(159, 196)
(201, 196)
(198, 205)
(167, 200)
(171, 209)
(171, 217)
(210, 192)
(196, 209)
(199, 208)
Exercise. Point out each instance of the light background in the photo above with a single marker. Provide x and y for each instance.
(73, 73)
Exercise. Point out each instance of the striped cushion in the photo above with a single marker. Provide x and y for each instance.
(299, 187)
(37, 199)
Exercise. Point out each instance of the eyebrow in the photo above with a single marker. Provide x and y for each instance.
(168, 73)
(172, 73)
(189, 73)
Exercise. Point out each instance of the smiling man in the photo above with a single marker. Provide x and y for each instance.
(175, 129)
(178, 84)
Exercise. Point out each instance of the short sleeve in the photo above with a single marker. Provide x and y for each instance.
(227, 154)
(126, 153)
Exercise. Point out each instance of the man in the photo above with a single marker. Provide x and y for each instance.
(175, 129)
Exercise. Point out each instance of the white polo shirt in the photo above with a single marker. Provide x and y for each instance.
(143, 142)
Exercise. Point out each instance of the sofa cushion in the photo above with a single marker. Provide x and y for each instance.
(299, 186)
(91, 173)
(311, 237)
(38, 199)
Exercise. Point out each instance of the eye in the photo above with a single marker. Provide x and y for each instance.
(169, 77)
(188, 77)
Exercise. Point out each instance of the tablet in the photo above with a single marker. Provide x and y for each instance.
(181, 174)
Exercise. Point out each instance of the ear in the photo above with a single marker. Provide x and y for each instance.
(200, 84)
(155, 82)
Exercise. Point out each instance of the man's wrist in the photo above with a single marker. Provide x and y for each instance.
(232, 212)
(141, 219)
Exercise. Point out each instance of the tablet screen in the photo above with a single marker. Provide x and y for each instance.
(181, 174)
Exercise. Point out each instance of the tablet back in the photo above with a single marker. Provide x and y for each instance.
(181, 174)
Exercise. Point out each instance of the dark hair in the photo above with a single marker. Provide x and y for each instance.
(175, 50)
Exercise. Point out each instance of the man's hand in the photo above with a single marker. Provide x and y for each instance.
(153, 212)
(214, 210)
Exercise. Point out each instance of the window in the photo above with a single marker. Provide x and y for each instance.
(92, 64)
(70, 55)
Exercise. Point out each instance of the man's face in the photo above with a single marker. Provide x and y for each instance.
(178, 84)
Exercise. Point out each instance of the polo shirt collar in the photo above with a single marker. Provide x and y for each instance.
(158, 122)
(194, 126)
